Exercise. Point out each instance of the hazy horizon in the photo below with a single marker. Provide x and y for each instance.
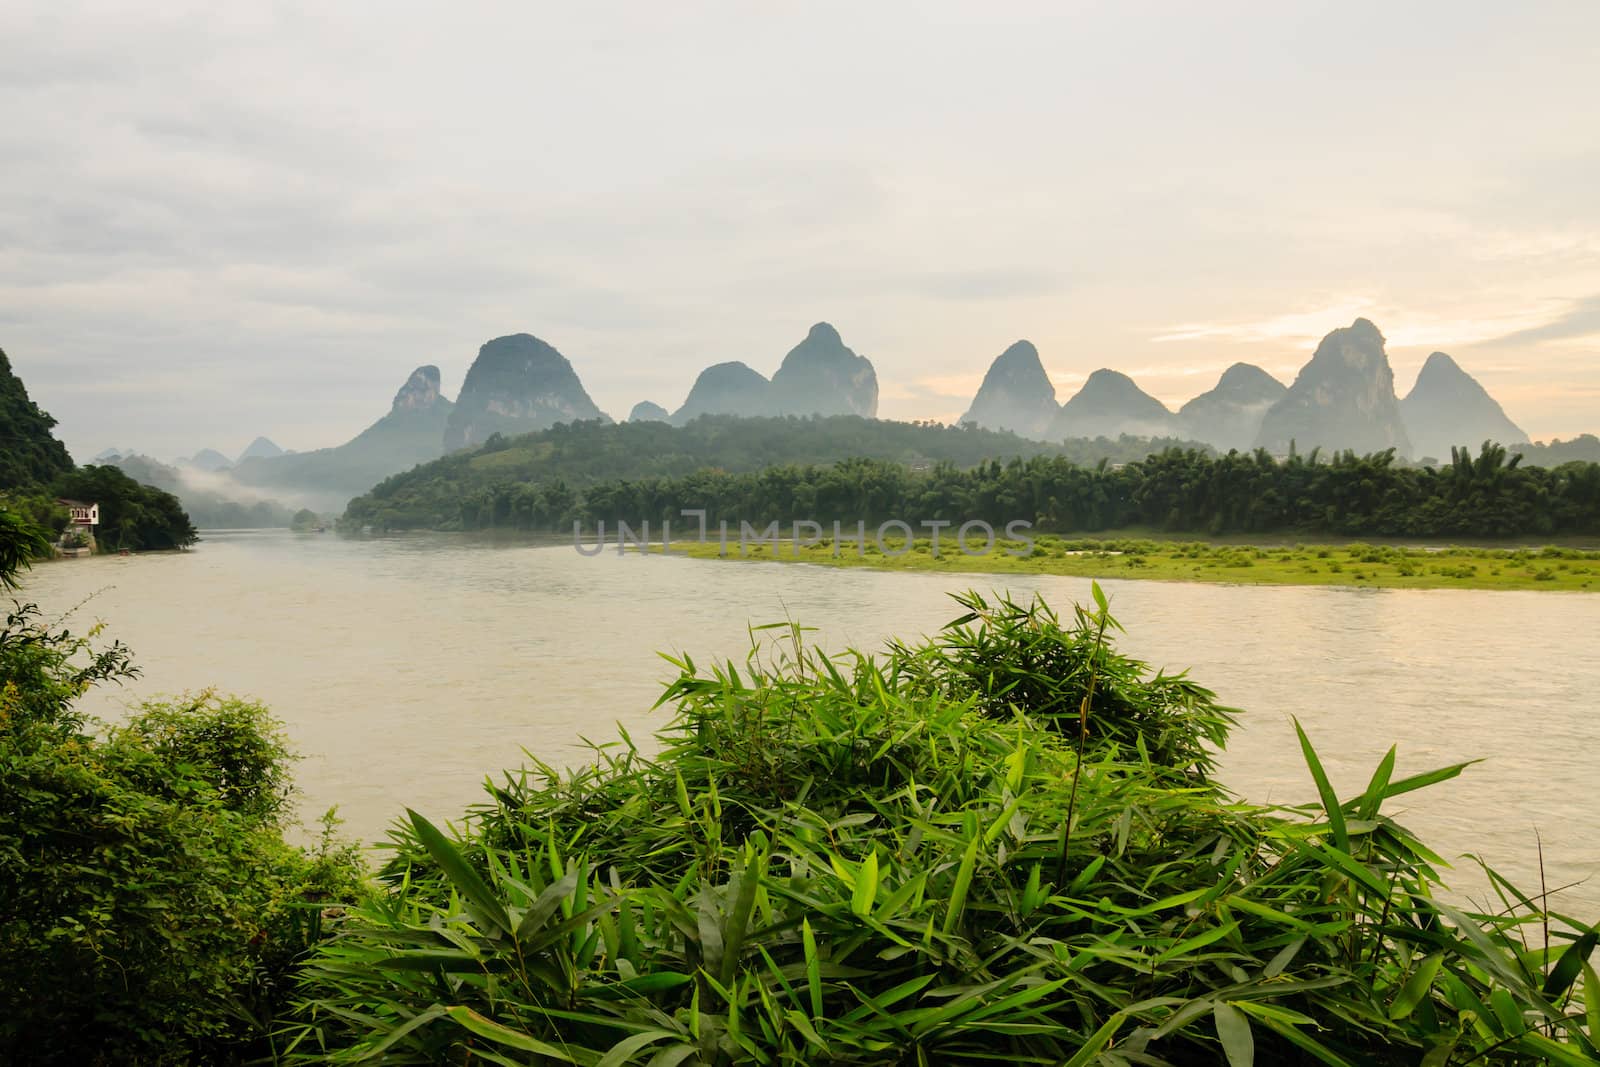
(218, 225)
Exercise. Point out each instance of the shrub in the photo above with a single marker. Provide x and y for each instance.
(906, 859)
(152, 911)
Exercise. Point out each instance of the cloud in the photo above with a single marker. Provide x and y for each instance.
(988, 284)
(1297, 326)
(259, 218)
(1580, 319)
(1402, 327)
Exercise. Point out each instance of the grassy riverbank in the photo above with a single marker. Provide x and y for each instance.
(1358, 564)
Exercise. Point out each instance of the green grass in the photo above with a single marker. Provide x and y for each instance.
(1359, 564)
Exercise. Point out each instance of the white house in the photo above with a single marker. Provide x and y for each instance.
(82, 514)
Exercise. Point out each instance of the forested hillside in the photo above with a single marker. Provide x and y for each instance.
(546, 470)
(29, 453)
(35, 470)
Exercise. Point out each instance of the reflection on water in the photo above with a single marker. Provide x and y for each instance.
(409, 669)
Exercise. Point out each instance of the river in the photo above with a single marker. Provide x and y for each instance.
(408, 669)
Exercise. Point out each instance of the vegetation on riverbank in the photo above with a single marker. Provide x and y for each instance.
(1003, 844)
(132, 516)
(542, 480)
(153, 912)
(1490, 495)
(1354, 564)
(36, 471)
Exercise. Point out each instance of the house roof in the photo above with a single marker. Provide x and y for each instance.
(75, 503)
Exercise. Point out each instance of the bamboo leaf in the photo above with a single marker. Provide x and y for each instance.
(1570, 965)
(866, 889)
(1416, 987)
(547, 903)
(1096, 1043)
(738, 920)
(1233, 1030)
(958, 893)
(503, 1035)
(624, 1050)
(1591, 1001)
(460, 872)
(1372, 799)
(1330, 799)
(813, 967)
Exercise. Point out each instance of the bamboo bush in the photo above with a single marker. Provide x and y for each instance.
(1005, 843)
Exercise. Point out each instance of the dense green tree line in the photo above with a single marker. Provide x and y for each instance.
(132, 515)
(1489, 495)
(557, 464)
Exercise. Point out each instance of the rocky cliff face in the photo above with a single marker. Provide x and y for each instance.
(1016, 394)
(517, 384)
(820, 376)
(1344, 398)
(1448, 407)
(1110, 405)
(645, 411)
(1229, 416)
(726, 389)
(420, 392)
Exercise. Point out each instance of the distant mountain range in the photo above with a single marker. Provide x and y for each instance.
(1344, 397)
(819, 376)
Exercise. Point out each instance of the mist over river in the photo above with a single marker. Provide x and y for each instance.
(408, 669)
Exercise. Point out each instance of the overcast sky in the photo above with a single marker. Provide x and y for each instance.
(218, 225)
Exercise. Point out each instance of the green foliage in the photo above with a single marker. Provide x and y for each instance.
(153, 912)
(534, 481)
(132, 515)
(44, 670)
(30, 455)
(232, 745)
(1134, 557)
(1008, 658)
(897, 859)
(1487, 496)
(21, 542)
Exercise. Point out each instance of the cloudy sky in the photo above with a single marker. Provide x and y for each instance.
(218, 221)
